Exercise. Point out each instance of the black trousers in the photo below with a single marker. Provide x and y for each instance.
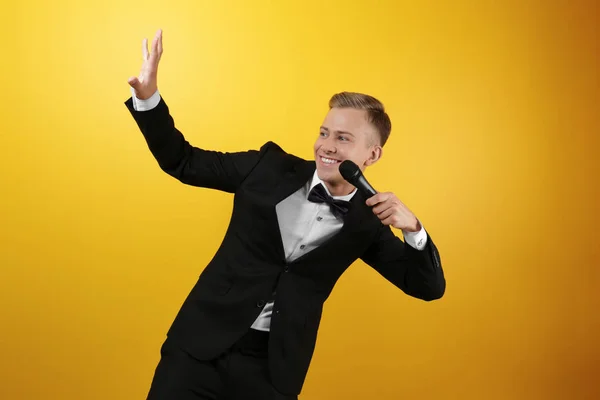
(240, 373)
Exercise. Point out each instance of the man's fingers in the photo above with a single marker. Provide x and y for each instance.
(380, 207)
(386, 213)
(156, 47)
(160, 44)
(145, 49)
(377, 198)
(391, 220)
(371, 201)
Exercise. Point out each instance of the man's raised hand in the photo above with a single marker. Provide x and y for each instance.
(145, 84)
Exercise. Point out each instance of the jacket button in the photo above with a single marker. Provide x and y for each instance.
(260, 303)
(286, 268)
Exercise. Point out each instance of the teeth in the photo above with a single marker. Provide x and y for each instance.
(328, 160)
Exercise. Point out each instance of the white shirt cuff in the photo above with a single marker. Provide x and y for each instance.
(417, 240)
(145, 105)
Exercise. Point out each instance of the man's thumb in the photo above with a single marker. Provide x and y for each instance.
(134, 82)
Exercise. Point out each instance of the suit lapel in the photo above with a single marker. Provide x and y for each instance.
(296, 175)
(293, 179)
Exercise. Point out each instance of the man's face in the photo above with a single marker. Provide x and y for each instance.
(346, 134)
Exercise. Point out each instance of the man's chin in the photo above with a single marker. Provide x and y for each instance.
(333, 179)
(328, 174)
(329, 170)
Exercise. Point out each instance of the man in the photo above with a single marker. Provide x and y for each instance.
(248, 328)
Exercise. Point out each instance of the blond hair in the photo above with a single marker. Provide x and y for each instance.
(376, 114)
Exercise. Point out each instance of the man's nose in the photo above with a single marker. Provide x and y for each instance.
(329, 147)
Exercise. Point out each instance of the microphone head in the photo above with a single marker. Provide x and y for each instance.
(350, 171)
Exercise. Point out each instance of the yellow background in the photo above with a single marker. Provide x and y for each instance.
(494, 146)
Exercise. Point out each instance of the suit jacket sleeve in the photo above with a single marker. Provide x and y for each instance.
(191, 165)
(417, 272)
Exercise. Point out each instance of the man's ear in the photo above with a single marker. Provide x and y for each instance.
(376, 153)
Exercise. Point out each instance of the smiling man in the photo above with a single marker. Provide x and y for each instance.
(355, 128)
(248, 328)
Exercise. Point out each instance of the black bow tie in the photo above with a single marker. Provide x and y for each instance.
(339, 208)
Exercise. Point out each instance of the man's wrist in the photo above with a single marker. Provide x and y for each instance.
(416, 239)
(416, 228)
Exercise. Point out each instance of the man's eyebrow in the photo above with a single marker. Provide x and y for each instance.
(338, 132)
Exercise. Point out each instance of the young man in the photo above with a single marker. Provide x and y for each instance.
(248, 328)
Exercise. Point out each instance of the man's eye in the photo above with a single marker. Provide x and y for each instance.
(343, 138)
(323, 134)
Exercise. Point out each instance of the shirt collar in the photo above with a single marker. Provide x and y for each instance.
(316, 180)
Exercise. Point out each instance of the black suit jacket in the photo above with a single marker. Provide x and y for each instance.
(250, 268)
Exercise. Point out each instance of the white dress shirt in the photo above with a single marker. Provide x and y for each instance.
(304, 225)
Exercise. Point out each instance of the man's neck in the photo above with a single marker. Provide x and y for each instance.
(341, 189)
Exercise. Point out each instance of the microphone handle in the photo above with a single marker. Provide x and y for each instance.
(363, 185)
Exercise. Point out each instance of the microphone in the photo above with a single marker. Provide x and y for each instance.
(354, 175)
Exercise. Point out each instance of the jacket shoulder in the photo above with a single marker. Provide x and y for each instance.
(271, 147)
(275, 153)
